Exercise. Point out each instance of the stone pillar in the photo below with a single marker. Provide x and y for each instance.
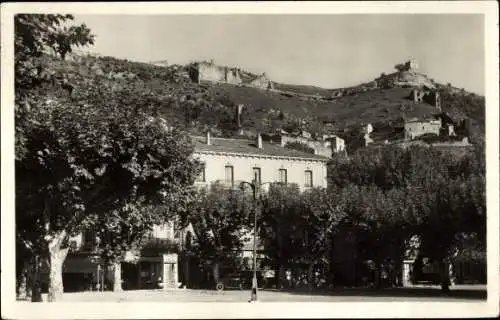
(452, 275)
(170, 271)
(138, 275)
(165, 275)
(407, 268)
(176, 275)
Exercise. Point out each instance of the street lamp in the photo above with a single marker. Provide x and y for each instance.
(255, 185)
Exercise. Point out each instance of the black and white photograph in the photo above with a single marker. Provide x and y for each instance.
(251, 160)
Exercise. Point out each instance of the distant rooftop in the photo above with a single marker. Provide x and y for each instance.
(245, 146)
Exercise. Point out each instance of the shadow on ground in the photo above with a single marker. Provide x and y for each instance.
(478, 294)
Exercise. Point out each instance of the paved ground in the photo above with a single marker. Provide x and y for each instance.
(458, 294)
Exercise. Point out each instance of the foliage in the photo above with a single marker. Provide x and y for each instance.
(417, 191)
(299, 146)
(277, 223)
(157, 247)
(221, 217)
(297, 228)
(82, 157)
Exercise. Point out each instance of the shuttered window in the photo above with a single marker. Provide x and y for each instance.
(229, 175)
(308, 179)
(282, 176)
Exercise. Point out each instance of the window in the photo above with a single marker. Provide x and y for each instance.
(256, 175)
(201, 176)
(308, 179)
(229, 175)
(282, 178)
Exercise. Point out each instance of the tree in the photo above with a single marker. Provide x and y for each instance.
(391, 195)
(320, 215)
(34, 35)
(81, 165)
(277, 221)
(221, 219)
(454, 210)
(81, 157)
(126, 229)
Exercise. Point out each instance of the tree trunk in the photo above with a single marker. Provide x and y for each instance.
(22, 287)
(56, 259)
(377, 275)
(215, 270)
(36, 292)
(117, 277)
(445, 276)
(187, 269)
(280, 274)
(310, 278)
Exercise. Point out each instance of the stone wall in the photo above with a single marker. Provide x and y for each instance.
(431, 97)
(210, 72)
(262, 82)
(232, 76)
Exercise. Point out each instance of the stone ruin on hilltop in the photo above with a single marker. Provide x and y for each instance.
(208, 71)
(407, 75)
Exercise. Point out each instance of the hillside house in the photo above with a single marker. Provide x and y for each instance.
(415, 128)
(326, 147)
(440, 124)
(337, 143)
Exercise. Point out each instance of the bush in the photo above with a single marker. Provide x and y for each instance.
(299, 147)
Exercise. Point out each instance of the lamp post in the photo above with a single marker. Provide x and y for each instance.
(255, 185)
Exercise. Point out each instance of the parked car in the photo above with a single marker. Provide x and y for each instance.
(239, 280)
(230, 281)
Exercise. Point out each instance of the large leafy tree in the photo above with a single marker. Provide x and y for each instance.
(82, 157)
(399, 193)
(221, 218)
(277, 221)
(34, 36)
(454, 209)
(319, 217)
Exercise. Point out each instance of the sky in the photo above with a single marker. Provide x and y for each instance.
(329, 51)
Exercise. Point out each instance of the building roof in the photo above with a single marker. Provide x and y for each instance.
(428, 119)
(244, 146)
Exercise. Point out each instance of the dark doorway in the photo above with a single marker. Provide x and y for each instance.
(130, 276)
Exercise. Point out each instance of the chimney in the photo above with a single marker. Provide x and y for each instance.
(208, 139)
(238, 115)
(259, 141)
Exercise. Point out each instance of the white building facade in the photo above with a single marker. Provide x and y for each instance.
(232, 161)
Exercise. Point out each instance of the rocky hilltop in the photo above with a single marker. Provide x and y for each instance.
(210, 99)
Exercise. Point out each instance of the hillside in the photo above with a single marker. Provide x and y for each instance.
(199, 107)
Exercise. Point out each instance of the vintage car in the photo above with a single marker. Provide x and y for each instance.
(238, 280)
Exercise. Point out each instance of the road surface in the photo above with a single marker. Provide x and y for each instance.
(458, 294)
